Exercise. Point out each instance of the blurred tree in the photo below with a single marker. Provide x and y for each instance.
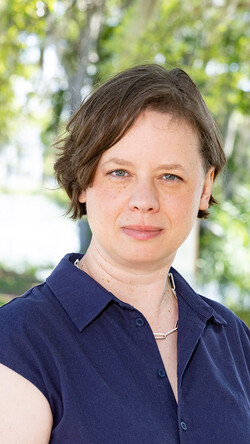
(21, 24)
(210, 40)
(91, 39)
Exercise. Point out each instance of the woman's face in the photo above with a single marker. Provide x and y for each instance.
(147, 191)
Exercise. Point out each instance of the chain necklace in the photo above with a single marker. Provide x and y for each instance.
(164, 335)
(172, 283)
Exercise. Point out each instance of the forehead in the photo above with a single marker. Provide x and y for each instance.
(157, 132)
(165, 121)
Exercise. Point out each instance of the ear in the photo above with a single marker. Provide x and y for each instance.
(207, 189)
(82, 196)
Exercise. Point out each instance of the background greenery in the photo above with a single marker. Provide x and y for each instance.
(91, 40)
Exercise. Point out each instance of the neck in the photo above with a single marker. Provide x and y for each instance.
(149, 291)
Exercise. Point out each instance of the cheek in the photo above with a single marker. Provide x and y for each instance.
(182, 206)
(102, 201)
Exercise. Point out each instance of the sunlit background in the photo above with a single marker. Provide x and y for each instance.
(51, 53)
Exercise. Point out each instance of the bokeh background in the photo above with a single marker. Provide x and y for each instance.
(51, 54)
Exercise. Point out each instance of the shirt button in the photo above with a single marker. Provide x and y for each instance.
(161, 373)
(139, 322)
(183, 425)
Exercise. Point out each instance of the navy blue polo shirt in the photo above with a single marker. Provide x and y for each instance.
(96, 361)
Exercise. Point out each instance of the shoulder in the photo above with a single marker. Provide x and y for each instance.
(28, 326)
(215, 311)
(34, 308)
(32, 319)
(234, 323)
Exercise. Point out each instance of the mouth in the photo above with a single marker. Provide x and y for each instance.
(142, 232)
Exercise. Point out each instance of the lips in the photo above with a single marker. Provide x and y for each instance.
(142, 232)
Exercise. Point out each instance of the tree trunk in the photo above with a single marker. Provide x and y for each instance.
(88, 44)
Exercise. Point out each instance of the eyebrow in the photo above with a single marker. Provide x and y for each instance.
(118, 161)
(167, 166)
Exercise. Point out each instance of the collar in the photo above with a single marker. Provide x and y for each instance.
(195, 301)
(81, 296)
(84, 299)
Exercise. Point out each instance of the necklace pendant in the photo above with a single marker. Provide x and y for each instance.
(159, 335)
(164, 335)
(173, 288)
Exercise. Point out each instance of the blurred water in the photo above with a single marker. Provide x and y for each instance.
(33, 231)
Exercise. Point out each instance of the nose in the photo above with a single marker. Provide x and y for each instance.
(144, 198)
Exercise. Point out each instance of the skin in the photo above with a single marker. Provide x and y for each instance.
(154, 178)
(141, 207)
(25, 413)
(147, 191)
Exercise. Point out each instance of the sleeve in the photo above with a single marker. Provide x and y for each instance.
(24, 344)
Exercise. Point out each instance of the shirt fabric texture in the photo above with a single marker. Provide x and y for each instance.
(96, 361)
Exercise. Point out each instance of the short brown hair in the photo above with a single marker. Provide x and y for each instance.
(108, 113)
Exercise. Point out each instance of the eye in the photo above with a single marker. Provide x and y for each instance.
(171, 177)
(118, 173)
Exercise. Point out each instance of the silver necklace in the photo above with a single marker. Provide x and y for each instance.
(164, 335)
(172, 283)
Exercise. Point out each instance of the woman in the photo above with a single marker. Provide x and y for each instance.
(115, 347)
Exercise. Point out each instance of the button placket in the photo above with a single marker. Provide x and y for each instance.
(140, 322)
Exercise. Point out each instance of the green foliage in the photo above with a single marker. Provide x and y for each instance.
(242, 314)
(14, 284)
(19, 20)
(210, 43)
(225, 249)
(59, 196)
(209, 39)
(194, 35)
